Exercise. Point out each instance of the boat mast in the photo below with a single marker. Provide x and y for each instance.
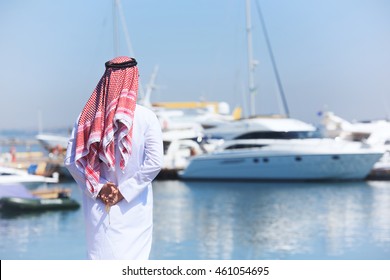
(115, 28)
(271, 54)
(117, 8)
(251, 62)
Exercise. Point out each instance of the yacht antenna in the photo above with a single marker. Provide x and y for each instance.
(251, 62)
(40, 122)
(271, 54)
(150, 87)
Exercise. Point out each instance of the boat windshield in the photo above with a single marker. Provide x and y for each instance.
(279, 135)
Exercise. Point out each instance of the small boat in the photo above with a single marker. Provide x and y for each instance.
(17, 199)
(37, 204)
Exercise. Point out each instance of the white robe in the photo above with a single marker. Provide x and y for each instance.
(126, 232)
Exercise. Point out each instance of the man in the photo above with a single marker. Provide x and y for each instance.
(114, 153)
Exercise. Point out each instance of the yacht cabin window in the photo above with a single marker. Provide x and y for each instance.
(244, 146)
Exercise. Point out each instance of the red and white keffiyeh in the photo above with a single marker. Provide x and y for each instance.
(108, 118)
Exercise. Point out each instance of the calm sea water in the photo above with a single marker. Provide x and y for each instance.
(230, 220)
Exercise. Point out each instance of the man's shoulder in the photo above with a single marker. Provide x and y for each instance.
(144, 110)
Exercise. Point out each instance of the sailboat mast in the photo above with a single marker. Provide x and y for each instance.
(251, 62)
(115, 27)
(271, 54)
(117, 10)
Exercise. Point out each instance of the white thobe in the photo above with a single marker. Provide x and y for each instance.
(126, 231)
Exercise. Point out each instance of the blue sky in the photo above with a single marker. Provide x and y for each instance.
(331, 54)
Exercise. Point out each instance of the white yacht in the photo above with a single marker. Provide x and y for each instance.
(182, 125)
(9, 175)
(280, 149)
(52, 142)
(375, 133)
(180, 145)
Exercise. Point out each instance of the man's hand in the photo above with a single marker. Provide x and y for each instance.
(109, 194)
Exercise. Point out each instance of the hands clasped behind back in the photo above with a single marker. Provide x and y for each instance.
(110, 194)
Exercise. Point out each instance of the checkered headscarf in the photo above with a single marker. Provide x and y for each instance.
(108, 116)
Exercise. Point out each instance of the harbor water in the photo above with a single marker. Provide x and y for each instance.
(229, 220)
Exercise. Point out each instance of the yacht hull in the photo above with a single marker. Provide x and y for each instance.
(257, 166)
